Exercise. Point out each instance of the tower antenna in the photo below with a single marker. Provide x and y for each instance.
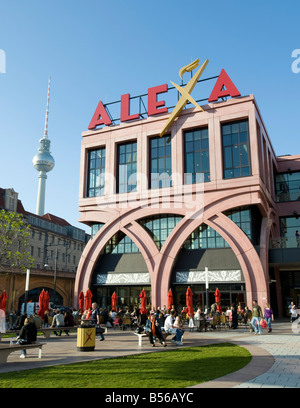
(47, 110)
(43, 162)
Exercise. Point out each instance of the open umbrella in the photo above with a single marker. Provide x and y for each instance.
(170, 299)
(88, 300)
(81, 301)
(218, 300)
(189, 301)
(114, 301)
(143, 298)
(42, 308)
(3, 299)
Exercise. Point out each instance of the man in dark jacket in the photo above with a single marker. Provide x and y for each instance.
(27, 335)
(152, 328)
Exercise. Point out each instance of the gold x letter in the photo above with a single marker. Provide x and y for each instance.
(185, 92)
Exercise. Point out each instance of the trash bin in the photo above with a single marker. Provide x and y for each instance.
(86, 337)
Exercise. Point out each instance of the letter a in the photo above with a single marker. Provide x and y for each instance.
(100, 117)
(223, 82)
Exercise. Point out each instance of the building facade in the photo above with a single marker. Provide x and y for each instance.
(55, 246)
(209, 193)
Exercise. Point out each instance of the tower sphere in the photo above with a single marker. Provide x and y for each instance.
(43, 161)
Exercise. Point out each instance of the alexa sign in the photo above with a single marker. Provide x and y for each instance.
(224, 87)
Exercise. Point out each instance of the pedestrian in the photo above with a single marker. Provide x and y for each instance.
(293, 312)
(268, 316)
(152, 328)
(297, 235)
(197, 318)
(191, 322)
(95, 319)
(37, 320)
(256, 317)
(58, 321)
(27, 335)
(69, 321)
(234, 316)
(171, 328)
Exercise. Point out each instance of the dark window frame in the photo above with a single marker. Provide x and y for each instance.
(234, 150)
(194, 152)
(101, 168)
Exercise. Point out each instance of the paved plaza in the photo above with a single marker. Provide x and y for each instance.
(275, 357)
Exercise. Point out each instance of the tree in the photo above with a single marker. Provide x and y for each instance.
(14, 241)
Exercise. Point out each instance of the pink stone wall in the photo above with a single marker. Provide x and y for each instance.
(120, 211)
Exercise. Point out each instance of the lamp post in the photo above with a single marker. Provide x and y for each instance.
(55, 264)
(206, 287)
(26, 289)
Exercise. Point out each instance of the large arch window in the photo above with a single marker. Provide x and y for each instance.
(160, 226)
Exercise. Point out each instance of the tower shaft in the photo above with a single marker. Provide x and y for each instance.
(40, 203)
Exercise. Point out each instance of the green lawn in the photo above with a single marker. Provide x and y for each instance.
(167, 369)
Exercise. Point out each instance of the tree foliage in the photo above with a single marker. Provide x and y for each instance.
(14, 241)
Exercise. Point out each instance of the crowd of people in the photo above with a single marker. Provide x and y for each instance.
(153, 323)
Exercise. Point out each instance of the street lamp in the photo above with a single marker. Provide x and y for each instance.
(206, 287)
(26, 289)
(55, 263)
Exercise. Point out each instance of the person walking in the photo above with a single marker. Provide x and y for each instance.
(256, 317)
(95, 319)
(268, 316)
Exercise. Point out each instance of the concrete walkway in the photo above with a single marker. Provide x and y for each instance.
(275, 357)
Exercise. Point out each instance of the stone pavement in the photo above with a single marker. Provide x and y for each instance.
(275, 356)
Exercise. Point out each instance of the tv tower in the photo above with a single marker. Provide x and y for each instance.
(43, 162)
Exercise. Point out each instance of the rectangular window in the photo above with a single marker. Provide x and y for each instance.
(127, 167)
(160, 162)
(287, 186)
(196, 156)
(236, 150)
(289, 232)
(96, 172)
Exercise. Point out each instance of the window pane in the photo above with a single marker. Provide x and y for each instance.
(196, 160)
(127, 161)
(236, 150)
(96, 172)
(160, 162)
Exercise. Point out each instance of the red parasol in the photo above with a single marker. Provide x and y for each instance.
(81, 301)
(46, 301)
(88, 300)
(218, 300)
(170, 299)
(42, 308)
(189, 301)
(3, 299)
(143, 297)
(114, 301)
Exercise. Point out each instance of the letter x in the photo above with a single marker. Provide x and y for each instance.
(185, 97)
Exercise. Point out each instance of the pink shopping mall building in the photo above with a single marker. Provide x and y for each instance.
(209, 193)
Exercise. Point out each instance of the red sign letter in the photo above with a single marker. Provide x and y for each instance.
(153, 104)
(223, 82)
(125, 115)
(100, 117)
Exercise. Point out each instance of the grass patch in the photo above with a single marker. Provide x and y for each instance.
(167, 369)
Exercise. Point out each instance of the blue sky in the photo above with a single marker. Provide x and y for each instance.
(97, 50)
